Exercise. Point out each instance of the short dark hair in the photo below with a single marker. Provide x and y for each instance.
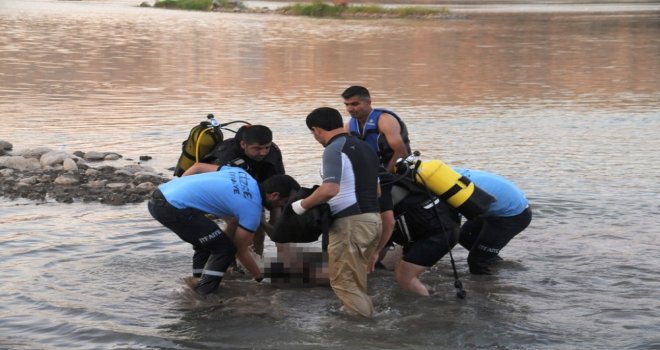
(254, 134)
(359, 91)
(282, 184)
(325, 118)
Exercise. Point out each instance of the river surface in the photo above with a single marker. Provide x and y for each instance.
(563, 99)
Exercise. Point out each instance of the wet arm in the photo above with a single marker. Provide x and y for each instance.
(391, 129)
(243, 240)
(321, 195)
(201, 168)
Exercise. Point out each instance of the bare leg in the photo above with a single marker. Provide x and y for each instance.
(407, 275)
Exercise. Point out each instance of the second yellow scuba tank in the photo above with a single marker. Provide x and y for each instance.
(450, 186)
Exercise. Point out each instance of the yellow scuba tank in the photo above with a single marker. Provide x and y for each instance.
(443, 180)
(450, 186)
(201, 140)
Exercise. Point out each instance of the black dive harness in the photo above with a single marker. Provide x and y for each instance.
(404, 174)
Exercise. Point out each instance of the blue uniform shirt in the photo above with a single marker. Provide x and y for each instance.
(230, 191)
(509, 199)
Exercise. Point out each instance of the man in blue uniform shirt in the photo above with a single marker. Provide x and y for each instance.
(506, 217)
(182, 204)
(253, 150)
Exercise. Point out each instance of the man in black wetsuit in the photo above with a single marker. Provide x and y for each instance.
(252, 149)
(426, 227)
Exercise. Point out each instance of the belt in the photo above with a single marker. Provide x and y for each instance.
(158, 199)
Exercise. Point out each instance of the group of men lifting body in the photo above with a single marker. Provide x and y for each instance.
(357, 183)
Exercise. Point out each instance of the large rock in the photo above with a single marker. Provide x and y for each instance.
(34, 152)
(53, 158)
(19, 163)
(112, 156)
(69, 165)
(67, 180)
(94, 156)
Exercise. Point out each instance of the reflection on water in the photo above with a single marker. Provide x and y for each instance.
(565, 104)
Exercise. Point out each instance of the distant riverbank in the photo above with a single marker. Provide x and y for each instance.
(334, 9)
(459, 9)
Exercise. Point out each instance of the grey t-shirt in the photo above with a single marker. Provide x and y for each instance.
(353, 165)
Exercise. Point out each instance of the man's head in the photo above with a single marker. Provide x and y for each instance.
(277, 189)
(324, 122)
(358, 102)
(255, 141)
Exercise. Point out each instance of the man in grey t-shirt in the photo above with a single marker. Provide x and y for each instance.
(350, 187)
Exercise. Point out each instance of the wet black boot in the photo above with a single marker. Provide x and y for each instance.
(479, 260)
(208, 284)
(494, 259)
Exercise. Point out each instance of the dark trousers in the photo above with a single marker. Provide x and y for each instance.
(485, 237)
(214, 251)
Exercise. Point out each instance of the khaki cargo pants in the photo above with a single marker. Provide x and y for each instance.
(352, 240)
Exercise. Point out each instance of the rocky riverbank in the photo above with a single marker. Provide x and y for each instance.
(43, 174)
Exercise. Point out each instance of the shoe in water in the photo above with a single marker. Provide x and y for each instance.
(479, 268)
(494, 259)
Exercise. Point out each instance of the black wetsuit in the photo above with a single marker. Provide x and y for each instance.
(229, 152)
(426, 227)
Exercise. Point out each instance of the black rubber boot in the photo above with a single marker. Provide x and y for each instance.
(478, 261)
(208, 284)
(494, 259)
(214, 270)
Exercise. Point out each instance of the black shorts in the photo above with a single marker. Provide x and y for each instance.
(428, 251)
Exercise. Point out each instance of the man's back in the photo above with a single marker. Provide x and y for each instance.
(227, 192)
(509, 199)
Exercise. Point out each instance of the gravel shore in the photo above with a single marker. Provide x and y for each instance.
(44, 174)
